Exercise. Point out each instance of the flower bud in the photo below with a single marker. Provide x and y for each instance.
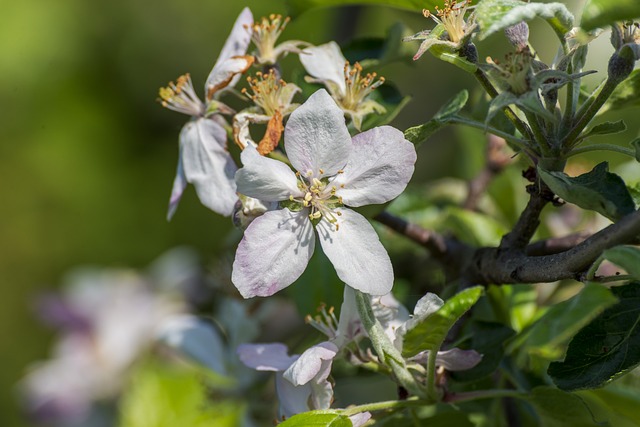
(621, 64)
(518, 35)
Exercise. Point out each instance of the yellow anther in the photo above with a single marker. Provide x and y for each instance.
(308, 197)
(321, 171)
(291, 197)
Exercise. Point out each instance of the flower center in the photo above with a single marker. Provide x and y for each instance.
(320, 197)
(181, 97)
(515, 70)
(325, 322)
(265, 34)
(631, 33)
(451, 17)
(267, 91)
(358, 86)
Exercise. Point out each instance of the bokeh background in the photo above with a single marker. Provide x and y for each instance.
(87, 155)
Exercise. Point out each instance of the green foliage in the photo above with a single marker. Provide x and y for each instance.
(431, 332)
(605, 349)
(627, 257)
(496, 15)
(626, 94)
(550, 333)
(606, 128)
(601, 13)
(296, 7)
(326, 418)
(377, 51)
(419, 134)
(598, 190)
(557, 408)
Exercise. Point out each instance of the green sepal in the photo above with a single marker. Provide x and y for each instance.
(292, 205)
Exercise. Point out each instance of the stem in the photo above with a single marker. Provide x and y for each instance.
(590, 113)
(432, 392)
(594, 268)
(518, 142)
(488, 87)
(605, 147)
(609, 279)
(484, 394)
(538, 134)
(411, 402)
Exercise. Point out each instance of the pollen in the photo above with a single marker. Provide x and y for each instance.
(265, 34)
(180, 96)
(358, 86)
(451, 16)
(266, 91)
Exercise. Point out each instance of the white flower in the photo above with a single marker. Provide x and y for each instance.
(333, 171)
(204, 160)
(265, 34)
(346, 84)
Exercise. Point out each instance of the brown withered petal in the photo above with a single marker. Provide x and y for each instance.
(272, 136)
(249, 59)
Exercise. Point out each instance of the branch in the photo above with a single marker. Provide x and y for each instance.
(556, 245)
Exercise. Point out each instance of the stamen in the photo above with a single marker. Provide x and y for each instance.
(181, 97)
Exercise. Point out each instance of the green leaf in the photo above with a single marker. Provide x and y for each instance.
(606, 128)
(600, 13)
(431, 332)
(605, 349)
(626, 94)
(636, 146)
(550, 333)
(296, 7)
(419, 134)
(621, 402)
(627, 257)
(326, 418)
(598, 190)
(496, 15)
(391, 99)
(557, 408)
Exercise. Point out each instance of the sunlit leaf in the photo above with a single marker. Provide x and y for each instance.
(600, 13)
(431, 332)
(598, 190)
(296, 7)
(605, 349)
(419, 134)
(627, 257)
(496, 15)
(325, 418)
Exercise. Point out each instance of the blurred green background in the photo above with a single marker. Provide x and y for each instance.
(87, 156)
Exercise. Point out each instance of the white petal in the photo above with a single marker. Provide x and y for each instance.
(241, 122)
(311, 364)
(349, 324)
(356, 253)
(266, 357)
(325, 63)
(316, 136)
(457, 359)
(179, 184)
(208, 166)
(379, 168)
(196, 339)
(390, 313)
(236, 44)
(274, 252)
(425, 307)
(293, 400)
(226, 74)
(266, 179)
(358, 420)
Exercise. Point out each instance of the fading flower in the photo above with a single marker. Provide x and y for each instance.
(204, 160)
(265, 34)
(345, 82)
(334, 171)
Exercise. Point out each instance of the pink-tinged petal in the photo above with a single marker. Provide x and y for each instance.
(196, 339)
(312, 364)
(356, 253)
(292, 400)
(266, 179)
(457, 359)
(179, 184)
(208, 166)
(325, 63)
(316, 137)
(265, 357)
(358, 420)
(236, 44)
(379, 168)
(274, 252)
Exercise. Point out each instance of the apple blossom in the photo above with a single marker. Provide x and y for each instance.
(204, 160)
(334, 171)
(345, 82)
(265, 34)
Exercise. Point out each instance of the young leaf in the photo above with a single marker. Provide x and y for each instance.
(558, 408)
(598, 190)
(419, 134)
(496, 15)
(547, 336)
(326, 418)
(606, 128)
(605, 349)
(626, 94)
(296, 7)
(431, 332)
(627, 257)
(601, 13)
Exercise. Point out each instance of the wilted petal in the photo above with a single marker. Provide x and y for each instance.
(227, 73)
(236, 45)
(360, 419)
(274, 252)
(316, 136)
(241, 122)
(266, 357)
(356, 253)
(266, 179)
(457, 359)
(379, 168)
(196, 339)
(325, 63)
(290, 46)
(312, 364)
(208, 166)
(179, 184)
